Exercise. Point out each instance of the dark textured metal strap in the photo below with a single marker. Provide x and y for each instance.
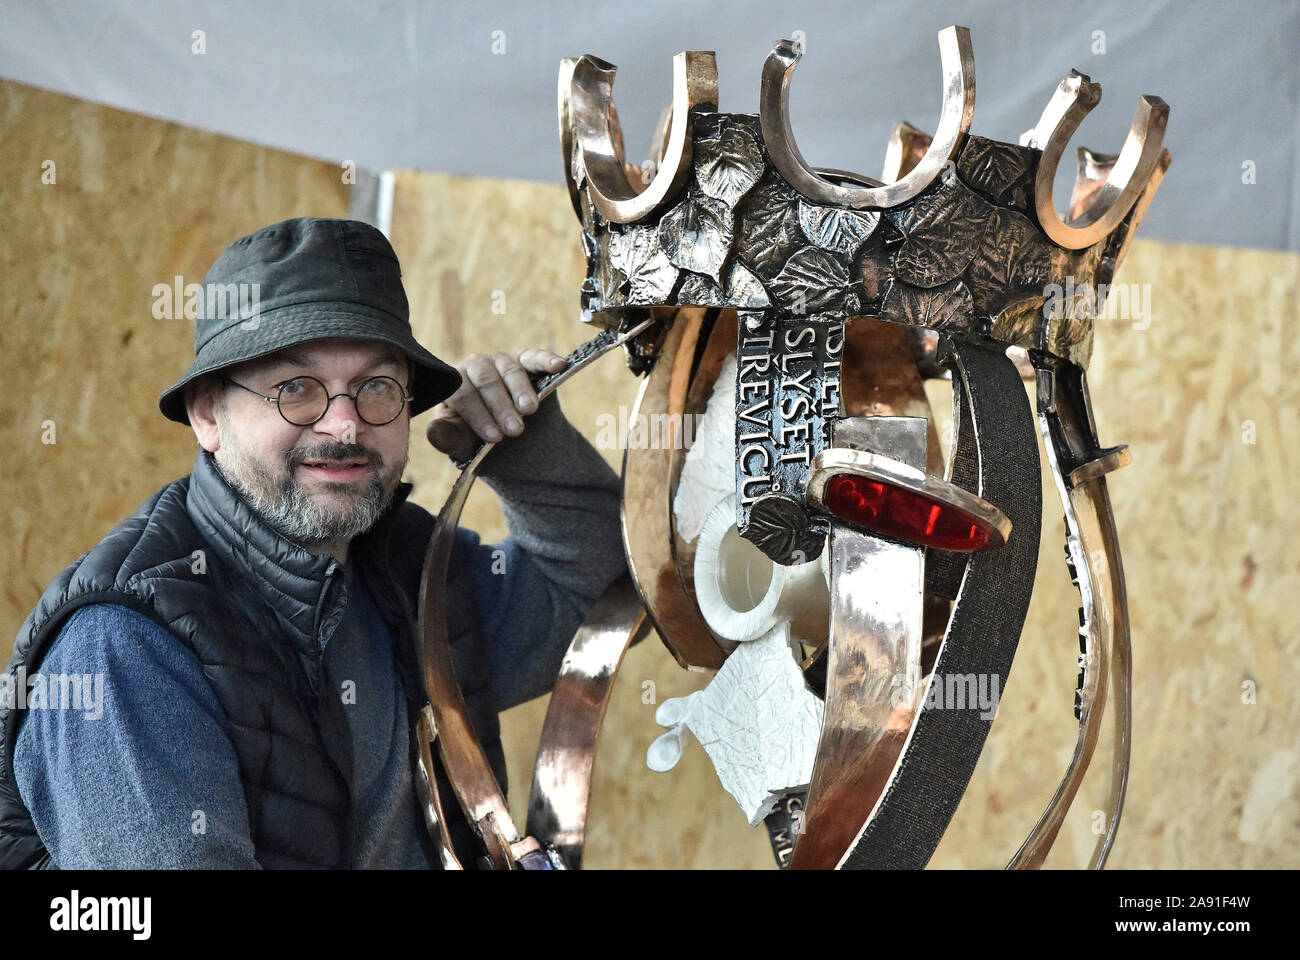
(945, 569)
(945, 744)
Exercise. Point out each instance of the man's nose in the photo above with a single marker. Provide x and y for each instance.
(341, 420)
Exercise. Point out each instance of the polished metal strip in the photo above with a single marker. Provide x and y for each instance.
(434, 818)
(591, 111)
(873, 674)
(956, 112)
(467, 766)
(650, 474)
(557, 807)
(1069, 436)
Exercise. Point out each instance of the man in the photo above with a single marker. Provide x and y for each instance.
(254, 622)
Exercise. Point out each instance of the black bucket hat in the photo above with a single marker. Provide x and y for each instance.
(302, 280)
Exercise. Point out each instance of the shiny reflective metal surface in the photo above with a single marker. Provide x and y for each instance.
(1121, 670)
(649, 479)
(434, 818)
(958, 66)
(466, 764)
(721, 344)
(1108, 204)
(873, 675)
(557, 807)
(1097, 632)
(1069, 437)
(1139, 211)
(907, 145)
(618, 197)
(1109, 461)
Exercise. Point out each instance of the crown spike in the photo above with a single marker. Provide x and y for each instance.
(566, 132)
(1093, 169)
(599, 138)
(958, 65)
(1108, 204)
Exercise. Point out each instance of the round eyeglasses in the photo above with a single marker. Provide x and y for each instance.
(304, 400)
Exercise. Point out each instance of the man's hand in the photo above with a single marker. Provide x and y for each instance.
(494, 397)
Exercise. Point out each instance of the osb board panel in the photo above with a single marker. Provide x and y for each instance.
(136, 202)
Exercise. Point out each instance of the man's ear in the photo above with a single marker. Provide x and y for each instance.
(201, 403)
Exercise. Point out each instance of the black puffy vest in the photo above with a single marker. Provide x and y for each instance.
(254, 607)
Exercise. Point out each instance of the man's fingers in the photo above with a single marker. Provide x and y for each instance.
(481, 383)
(450, 434)
(496, 392)
(445, 411)
(537, 360)
(517, 381)
(485, 376)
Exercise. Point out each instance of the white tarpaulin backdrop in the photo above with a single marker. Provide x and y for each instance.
(470, 88)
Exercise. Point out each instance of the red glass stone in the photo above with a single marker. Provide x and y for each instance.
(902, 514)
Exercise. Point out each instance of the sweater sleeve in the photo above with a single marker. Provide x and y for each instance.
(565, 547)
(140, 774)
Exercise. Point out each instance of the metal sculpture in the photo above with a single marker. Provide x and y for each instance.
(801, 308)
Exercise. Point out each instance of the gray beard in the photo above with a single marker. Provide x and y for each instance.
(286, 507)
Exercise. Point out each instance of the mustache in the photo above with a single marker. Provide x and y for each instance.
(335, 451)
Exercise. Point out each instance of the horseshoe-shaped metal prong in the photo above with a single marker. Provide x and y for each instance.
(1073, 100)
(954, 123)
(599, 138)
(566, 130)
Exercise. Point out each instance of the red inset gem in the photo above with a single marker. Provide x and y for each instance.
(902, 514)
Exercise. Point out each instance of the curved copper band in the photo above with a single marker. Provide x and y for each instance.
(466, 764)
(1098, 633)
(566, 131)
(875, 637)
(649, 479)
(434, 818)
(1091, 534)
(557, 806)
